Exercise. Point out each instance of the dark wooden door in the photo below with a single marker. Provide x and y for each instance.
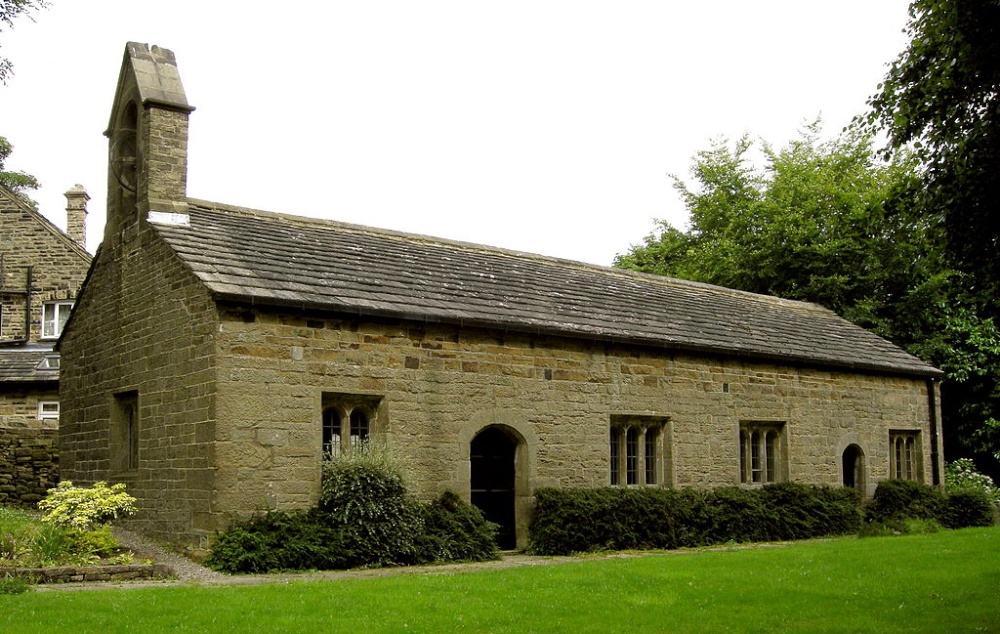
(492, 454)
(852, 467)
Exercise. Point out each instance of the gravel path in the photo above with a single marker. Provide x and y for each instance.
(184, 569)
(189, 573)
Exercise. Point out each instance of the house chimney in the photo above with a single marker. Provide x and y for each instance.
(76, 214)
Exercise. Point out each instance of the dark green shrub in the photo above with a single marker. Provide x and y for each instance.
(363, 496)
(454, 530)
(904, 499)
(806, 511)
(364, 518)
(739, 515)
(967, 507)
(280, 540)
(579, 520)
(572, 520)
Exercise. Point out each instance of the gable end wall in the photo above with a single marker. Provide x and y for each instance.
(143, 324)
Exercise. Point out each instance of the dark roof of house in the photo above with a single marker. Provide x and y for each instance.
(245, 255)
(26, 364)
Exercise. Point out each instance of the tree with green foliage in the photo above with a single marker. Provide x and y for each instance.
(833, 223)
(824, 222)
(17, 182)
(9, 11)
(941, 97)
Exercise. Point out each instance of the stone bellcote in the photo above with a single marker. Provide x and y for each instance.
(147, 140)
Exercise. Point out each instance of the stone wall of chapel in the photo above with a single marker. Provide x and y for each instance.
(143, 324)
(440, 385)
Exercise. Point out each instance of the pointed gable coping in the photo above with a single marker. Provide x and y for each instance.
(59, 234)
(157, 79)
(257, 257)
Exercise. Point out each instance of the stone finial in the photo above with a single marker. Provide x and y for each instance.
(76, 214)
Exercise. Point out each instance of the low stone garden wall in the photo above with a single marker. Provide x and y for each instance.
(76, 574)
(29, 460)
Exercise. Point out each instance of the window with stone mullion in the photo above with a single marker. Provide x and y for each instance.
(634, 454)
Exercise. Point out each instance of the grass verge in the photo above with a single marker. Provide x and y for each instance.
(942, 582)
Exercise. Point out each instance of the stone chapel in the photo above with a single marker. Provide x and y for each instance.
(217, 353)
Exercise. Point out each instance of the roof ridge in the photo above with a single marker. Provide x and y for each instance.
(490, 249)
(243, 254)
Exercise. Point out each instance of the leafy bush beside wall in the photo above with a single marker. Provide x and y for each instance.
(454, 530)
(898, 500)
(364, 518)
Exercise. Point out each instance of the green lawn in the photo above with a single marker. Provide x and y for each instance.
(942, 582)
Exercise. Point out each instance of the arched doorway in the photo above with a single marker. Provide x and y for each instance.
(492, 454)
(854, 468)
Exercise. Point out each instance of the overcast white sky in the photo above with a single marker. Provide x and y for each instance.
(540, 126)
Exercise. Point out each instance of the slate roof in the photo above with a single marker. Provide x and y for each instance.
(24, 364)
(260, 257)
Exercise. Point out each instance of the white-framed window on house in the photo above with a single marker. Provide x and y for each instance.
(762, 453)
(348, 422)
(54, 317)
(48, 410)
(637, 450)
(904, 455)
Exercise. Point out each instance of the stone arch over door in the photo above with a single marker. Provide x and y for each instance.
(493, 464)
(853, 470)
(521, 436)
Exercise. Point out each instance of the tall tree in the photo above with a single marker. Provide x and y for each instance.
(819, 221)
(17, 182)
(941, 97)
(832, 223)
(9, 11)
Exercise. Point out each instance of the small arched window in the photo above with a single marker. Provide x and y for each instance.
(904, 455)
(332, 429)
(349, 421)
(359, 428)
(636, 452)
(761, 460)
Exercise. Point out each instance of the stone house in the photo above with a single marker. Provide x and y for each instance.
(218, 352)
(41, 271)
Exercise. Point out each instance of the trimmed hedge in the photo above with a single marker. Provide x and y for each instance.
(898, 500)
(580, 520)
(895, 500)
